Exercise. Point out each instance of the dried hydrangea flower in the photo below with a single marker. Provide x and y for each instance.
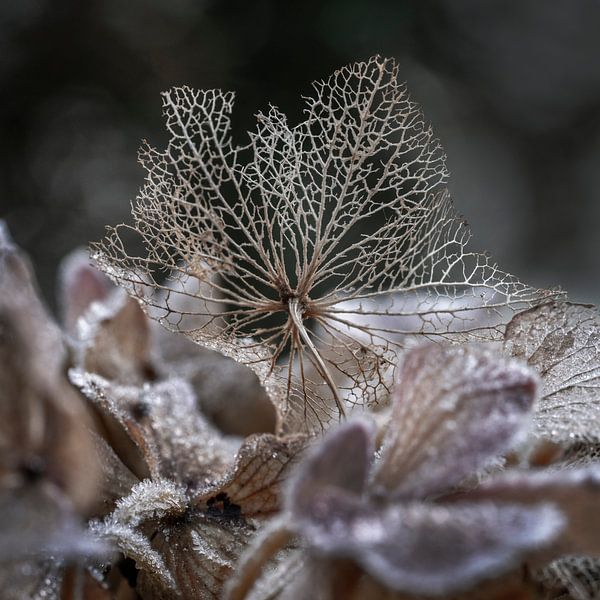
(295, 237)
(186, 524)
(403, 516)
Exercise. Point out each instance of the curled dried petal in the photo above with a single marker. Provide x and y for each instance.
(455, 410)
(338, 466)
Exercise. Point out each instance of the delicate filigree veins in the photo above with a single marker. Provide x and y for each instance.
(314, 252)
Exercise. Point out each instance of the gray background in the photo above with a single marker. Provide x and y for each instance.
(512, 88)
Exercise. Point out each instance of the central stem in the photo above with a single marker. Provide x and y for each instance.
(296, 314)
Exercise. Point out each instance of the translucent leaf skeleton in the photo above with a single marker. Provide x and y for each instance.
(313, 253)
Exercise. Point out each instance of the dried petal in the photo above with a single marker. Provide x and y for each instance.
(253, 486)
(201, 552)
(115, 341)
(561, 341)
(181, 551)
(455, 409)
(116, 481)
(163, 421)
(433, 549)
(80, 284)
(136, 546)
(150, 500)
(338, 466)
(43, 421)
(576, 492)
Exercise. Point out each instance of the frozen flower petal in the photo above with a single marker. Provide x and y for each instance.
(576, 492)
(79, 284)
(339, 465)
(432, 549)
(455, 409)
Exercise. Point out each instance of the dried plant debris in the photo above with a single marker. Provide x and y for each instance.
(405, 515)
(295, 237)
(561, 341)
(186, 524)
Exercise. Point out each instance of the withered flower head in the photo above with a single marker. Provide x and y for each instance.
(408, 515)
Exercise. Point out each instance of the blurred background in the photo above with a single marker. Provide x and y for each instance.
(512, 88)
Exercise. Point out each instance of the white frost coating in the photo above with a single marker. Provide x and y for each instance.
(136, 546)
(151, 500)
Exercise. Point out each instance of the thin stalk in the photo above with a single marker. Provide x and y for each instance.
(296, 315)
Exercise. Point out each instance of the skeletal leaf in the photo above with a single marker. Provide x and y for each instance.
(455, 410)
(301, 231)
(561, 341)
(571, 578)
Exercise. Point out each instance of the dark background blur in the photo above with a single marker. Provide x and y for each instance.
(512, 88)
